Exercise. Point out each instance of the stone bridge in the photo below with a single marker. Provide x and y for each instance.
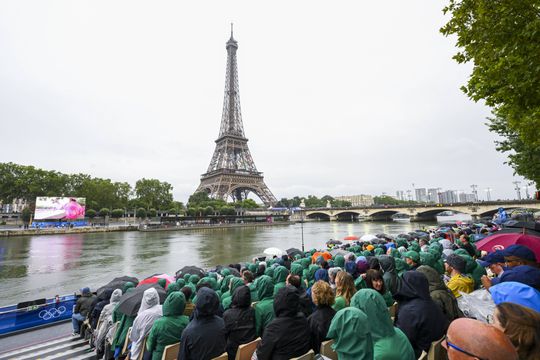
(424, 212)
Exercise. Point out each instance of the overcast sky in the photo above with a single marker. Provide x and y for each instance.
(338, 98)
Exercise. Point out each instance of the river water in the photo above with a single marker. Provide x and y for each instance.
(33, 267)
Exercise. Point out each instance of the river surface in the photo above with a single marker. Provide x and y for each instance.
(34, 267)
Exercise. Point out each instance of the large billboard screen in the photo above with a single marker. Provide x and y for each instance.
(59, 208)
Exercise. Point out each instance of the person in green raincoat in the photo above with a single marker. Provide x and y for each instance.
(264, 308)
(309, 275)
(172, 287)
(125, 321)
(168, 329)
(181, 282)
(339, 261)
(350, 329)
(280, 275)
(401, 266)
(235, 283)
(389, 342)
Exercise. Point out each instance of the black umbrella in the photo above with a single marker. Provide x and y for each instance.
(117, 283)
(130, 302)
(385, 236)
(294, 251)
(513, 230)
(333, 242)
(404, 236)
(191, 270)
(529, 225)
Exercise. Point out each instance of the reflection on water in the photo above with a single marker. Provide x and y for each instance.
(42, 266)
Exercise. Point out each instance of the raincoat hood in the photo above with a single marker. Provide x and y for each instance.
(116, 295)
(241, 297)
(269, 271)
(265, 287)
(339, 261)
(224, 286)
(311, 272)
(413, 285)
(517, 293)
(128, 285)
(172, 288)
(388, 263)
(427, 258)
(181, 282)
(150, 299)
(194, 279)
(287, 302)
(350, 330)
(305, 262)
(207, 302)
(225, 272)
(174, 304)
(296, 269)
(434, 279)
(210, 281)
(280, 274)
(373, 305)
(322, 274)
(162, 283)
(236, 282)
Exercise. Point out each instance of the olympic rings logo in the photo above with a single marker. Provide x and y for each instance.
(48, 314)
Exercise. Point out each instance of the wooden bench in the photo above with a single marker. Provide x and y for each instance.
(437, 351)
(326, 350)
(171, 352)
(245, 351)
(223, 356)
(310, 355)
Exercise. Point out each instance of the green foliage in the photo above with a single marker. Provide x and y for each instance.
(246, 204)
(201, 199)
(91, 213)
(227, 210)
(152, 213)
(141, 213)
(502, 39)
(388, 200)
(26, 215)
(311, 201)
(208, 210)
(117, 213)
(154, 193)
(104, 212)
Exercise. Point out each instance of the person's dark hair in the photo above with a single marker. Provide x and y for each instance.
(373, 263)
(324, 265)
(248, 276)
(203, 284)
(186, 290)
(484, 231)
(522, 326)
(372, 275)
(294, 280)
(260, 270)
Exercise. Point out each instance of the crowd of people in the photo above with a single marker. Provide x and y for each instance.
(346, 293)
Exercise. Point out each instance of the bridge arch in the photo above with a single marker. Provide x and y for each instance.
(383, 215)
(319, 215)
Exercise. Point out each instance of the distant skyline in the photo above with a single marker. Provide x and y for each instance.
(338, 99)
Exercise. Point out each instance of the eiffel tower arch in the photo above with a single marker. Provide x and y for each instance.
(232, 173)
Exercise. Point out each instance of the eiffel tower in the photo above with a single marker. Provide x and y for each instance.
(232, 172)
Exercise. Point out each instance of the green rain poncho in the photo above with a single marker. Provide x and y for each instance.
(269, 271)
(473, 269)
(389, 343)
(296, 269)
(181, 282)
(378, 251)
(224, 284)
(168, 329)
(280, 275)
(339, 261)
(171, 288)
(309, 274)
(401, 266)
(264, 309)
(236, 282)
(125, 321)
(305, 262)
(427, 259)
(350, 330)
(395, 253)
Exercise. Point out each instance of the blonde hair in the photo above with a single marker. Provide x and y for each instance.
(345, 286)
(322, 294)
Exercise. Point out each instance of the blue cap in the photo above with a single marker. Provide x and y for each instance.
(493, 258)
(520, 251)
(517, 293)
(85, 290)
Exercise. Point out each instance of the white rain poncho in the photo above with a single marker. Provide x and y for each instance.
(105, 318)
(149, 312)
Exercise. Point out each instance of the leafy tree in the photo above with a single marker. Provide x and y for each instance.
(154, 193)
(104, 212)
(141, 213)
(152, 213)
(227, 210)
(173, 211)
(91, 213)
(502, 40)
(117, 213)
(246, 204)
(208, 210)
(388, 200)
(191, 211)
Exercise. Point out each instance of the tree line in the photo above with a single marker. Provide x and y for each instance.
(312, 201)
(103, 196)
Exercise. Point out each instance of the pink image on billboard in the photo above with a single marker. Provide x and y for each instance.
(59, 208)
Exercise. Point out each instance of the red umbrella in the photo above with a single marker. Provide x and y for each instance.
(502, 241)
(351, 237)
(155, 278)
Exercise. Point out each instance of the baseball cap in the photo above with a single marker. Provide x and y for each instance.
(519, 251)
(495, 257)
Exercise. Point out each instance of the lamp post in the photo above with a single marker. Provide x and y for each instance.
(302, 207)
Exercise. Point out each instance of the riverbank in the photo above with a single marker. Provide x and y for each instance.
(116, 228)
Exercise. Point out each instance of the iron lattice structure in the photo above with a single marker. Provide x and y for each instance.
(232, 171)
